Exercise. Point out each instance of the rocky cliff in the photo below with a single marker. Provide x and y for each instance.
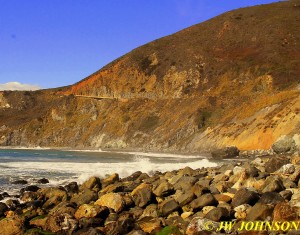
(232, 80)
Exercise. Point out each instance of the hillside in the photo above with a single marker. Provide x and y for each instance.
(232, 80)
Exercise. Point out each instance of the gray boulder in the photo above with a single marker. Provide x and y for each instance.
(228, 152)
(284, 144)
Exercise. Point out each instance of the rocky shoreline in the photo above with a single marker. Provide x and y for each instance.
(187, 201)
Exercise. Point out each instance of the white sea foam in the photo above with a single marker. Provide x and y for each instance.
(82, 171)
(146, 154)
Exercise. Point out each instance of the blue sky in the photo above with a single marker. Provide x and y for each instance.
(53, 43)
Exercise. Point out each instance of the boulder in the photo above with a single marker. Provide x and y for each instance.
(112, 228)
(163, 189)
(176, 225)
(222, 197)
(84, 197)
(43, 181)
(220, 187)
(20, 182)
(125, 223)
(187, 171)
(91, 211)
(259, 211)
(200, 225)
(287, 183)
(53, 196)
(63, 208)
(142, 195)
(112, 188)
(132, 177)
(220, 177)
(185, 198)
(150, 211)
(272, 198)
(110, 180)
(244, 196)
(286, 169)
(3, 208)
(207, 209)
(12, 226)
(218, 214)
(90, 222)
(112, 217)
(228, 152)
(202, 201)
(39, 222)
(284, 212)
(296, 175)
(52, 192)
(138, 211)
(185, 183)
(186, 215)
(273, 184)
(275, 163)
(112, 200)
(88, 231)
(72, 187)
(284, 144)
(242, 211)
(128, 200)
(61, 223)
(137, 232)
(92, 183)
(149, 224)
(204, 182)
(198, 189)
(168, 206)
(286, 194)
(30, 188)
(295, 199)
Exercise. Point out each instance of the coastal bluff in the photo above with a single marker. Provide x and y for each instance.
(230, 81)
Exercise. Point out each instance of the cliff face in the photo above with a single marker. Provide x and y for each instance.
(233, 80)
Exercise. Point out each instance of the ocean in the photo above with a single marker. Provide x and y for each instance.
(61, 166)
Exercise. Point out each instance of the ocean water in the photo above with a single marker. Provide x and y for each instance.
(61, 167)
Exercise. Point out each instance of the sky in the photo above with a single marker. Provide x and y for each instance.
(52, 43)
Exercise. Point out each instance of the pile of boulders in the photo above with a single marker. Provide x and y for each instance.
(185, 201)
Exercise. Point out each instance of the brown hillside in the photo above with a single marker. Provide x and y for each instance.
(232, 80)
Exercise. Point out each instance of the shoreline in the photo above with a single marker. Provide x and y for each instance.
(185, 200)
(129, 151)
